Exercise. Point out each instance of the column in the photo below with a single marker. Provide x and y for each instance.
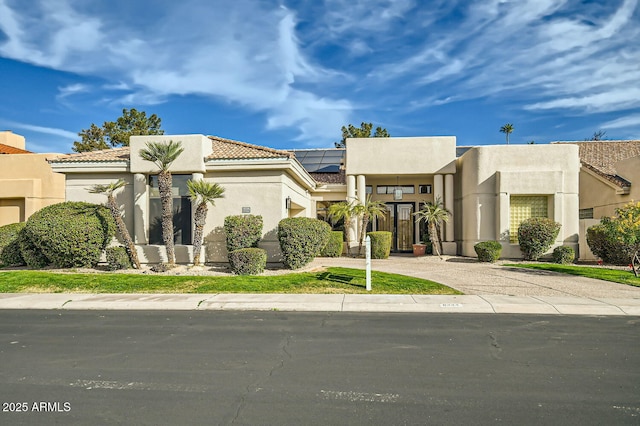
(448, 204)
(438, 188)
(141, 209)
(351, 198)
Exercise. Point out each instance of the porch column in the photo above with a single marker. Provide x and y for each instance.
(141, 209)
(448, 204)
(362, 189)
(438, 188)
(351, 198)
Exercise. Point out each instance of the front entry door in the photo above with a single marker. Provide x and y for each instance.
(399, 220)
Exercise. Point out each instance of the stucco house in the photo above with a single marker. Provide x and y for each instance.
(488, 189)
(27, 182)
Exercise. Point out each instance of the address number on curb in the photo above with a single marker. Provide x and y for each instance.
(451, 305)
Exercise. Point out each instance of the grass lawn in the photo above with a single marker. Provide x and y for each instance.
(597, 272)
(332, 280)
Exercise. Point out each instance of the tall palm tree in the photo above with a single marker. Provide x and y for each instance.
(370, 210)
(344, 210)
(109, 189)
(507, 129)
(202, 193)
(162, 155)
(433, 213)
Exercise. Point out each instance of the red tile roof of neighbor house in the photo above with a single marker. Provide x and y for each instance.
(8, 149)
(601, 157)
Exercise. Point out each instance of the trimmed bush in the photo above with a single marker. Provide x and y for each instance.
(536, 235)
(32, 255)
(603, 242)
(70, 234)
(563, 255)
(242, 231)
(301, 239)
(117, 258)
(380, 244)
(10, 245)
(334, 245)
(488, 251)
(248, 261)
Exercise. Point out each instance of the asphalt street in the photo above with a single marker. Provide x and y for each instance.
(295, 368)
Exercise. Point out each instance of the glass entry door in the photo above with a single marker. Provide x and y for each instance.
(398, 220)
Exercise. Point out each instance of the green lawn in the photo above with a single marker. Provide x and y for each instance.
(333, 280)
(599, 272)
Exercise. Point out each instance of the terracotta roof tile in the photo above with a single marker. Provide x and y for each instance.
(8, 149)
(601, 157)
(227, 149)
(102, 156)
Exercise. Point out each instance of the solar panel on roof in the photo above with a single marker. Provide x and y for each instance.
(320, 160)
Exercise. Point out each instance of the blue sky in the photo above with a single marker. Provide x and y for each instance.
(290, 73)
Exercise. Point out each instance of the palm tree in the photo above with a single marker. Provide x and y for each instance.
(433, 213)
(507, 129)
(370, 210)
(109, 189)
(162, 155)
(202, 193)
(344, 210)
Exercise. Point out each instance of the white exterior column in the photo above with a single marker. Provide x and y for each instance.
(351, 198)
(141, 209)
(448, 204)
(361, 189)
(438, 188)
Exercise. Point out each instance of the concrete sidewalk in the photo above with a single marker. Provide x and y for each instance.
(552, 305)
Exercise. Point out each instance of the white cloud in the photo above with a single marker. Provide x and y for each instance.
(40, 129)
(632, 120)
(72, 89)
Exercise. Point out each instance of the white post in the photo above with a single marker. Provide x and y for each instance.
(367, 246)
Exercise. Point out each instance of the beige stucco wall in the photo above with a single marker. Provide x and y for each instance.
(401, 156)
(27, 184)
(489, 175)
(603, 196)
(7, 137)
(196, 148)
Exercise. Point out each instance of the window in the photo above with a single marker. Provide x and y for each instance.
(586, 213)
(522, 208)
(181, 210)
(388, 189)
(425, 189)
(368, 189)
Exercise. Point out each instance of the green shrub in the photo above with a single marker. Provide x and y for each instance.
(380, 244)
(603, 242)
(301, 239)
(32, 255)
(10, 245)
(70, 234)
(334, 245)
(242, 231)
(536, 235)
(117, 258)
(563, 255)
(248, 261)
(488, 251)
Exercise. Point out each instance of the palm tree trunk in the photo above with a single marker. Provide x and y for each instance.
(122, 230)
(363, 231)
(166, 198)
(347, 232)
(199, 219)
(435, 242)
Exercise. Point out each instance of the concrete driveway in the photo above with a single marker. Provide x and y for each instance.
(475, 278)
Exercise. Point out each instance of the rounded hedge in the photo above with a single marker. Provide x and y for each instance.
(301, 239)
(380, 244)
(488, 251)
(604, 244)
(563, 255)
(248, 261)
(242, 231)
(10, 245)
(70, 234)
(117, 258)
(536, 235)
(334, 246)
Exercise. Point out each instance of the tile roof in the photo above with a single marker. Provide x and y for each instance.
(8, 149)
(601, 157)
(102, 156)
(227, 149)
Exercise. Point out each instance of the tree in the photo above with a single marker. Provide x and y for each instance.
(368, 211)
(116, 133)
(627, 226)
(364, 131)
(109, 189)
(344, 210)
(162, 155)
(597, 135)
(432, 214)
(507, 129)
(202, 193)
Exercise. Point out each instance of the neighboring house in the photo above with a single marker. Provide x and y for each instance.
(27, 182)
(609, 178)
(488, 189)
